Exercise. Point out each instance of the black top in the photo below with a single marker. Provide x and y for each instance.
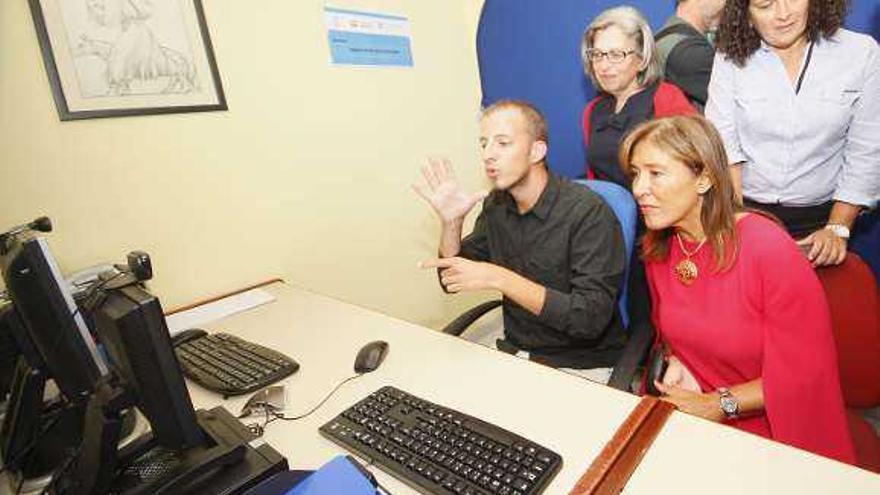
(689, 64)
(571, 243)
(607, 130)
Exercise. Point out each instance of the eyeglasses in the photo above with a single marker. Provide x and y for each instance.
(613, 56)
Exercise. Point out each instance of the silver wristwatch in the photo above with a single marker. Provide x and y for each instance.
(729, 404)
(839, 230)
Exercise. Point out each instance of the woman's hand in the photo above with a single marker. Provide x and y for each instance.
(677, 375)
(706, 405)
(824, 247)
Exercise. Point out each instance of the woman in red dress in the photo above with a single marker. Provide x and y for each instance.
(740, 312)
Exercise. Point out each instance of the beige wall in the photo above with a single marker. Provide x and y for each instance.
(306, 176)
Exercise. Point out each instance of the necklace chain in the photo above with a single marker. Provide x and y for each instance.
(687, 253)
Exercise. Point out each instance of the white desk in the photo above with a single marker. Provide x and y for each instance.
(695, 456)
(324, 335)
(563, 412)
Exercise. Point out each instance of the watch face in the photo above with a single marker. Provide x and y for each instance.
(729, 405)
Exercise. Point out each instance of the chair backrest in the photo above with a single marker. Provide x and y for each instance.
(624, 206)
(866, 235)
(854, 302)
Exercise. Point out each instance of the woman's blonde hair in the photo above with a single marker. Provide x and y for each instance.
(634, 25)
(693, 141)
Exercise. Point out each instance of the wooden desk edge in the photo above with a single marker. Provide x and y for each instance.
(610, 471)
(223, 296)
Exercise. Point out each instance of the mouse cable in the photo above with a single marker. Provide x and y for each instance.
(380, 489)
(301, 416)
(364, 469)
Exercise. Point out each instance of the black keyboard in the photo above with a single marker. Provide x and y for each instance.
(440, 451)
(230, 365)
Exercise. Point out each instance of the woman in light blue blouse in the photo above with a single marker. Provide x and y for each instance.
(796, 99)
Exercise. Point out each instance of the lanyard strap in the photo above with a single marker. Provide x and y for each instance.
(797, 89)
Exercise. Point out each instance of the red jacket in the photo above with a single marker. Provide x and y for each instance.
(669, 100)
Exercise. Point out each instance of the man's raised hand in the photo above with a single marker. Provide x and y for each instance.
(442, 191)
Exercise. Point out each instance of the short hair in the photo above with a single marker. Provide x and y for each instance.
(693, 141)
(738, 39)
(634, 25)
(537, 124)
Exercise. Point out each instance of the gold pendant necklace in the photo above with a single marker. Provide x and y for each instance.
(686, 270)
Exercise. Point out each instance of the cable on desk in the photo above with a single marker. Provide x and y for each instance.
(381, 490)
(363, 468)
(258, 429)
(301, 416)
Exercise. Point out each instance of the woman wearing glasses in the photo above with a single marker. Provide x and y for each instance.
(621, 60)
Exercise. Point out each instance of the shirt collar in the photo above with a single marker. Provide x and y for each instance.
(819, 41)
(545, 201)
(675, 20)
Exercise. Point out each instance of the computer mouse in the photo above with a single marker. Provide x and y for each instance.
(187, 335)
(370, 356)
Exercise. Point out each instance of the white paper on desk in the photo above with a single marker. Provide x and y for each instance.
(213, 311)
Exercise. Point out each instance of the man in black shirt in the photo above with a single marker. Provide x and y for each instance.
(684, 50)
(553, 249)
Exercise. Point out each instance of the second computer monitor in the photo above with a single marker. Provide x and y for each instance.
(131, 325)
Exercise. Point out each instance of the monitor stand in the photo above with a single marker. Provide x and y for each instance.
(225, 463)
(30, 483)
(37, 434)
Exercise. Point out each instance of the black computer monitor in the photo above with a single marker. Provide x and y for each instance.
(53, 324)
(52, 341)
(131, 326)
(9, 349)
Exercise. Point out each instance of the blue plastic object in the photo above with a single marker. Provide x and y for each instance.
(339, 476)
(624, 206)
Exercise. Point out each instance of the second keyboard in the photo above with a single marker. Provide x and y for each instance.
(230, 365)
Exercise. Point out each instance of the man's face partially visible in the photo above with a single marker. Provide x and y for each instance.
(711, 11)
(507, 147)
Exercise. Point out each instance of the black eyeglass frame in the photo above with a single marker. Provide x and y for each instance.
(613, 56)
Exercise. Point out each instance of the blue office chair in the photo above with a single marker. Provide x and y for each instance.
(622, 203)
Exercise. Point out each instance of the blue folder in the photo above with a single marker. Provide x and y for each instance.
(336, 477)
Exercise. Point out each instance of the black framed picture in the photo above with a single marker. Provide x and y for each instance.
(114, 58)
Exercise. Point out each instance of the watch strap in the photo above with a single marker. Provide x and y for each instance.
(838, 229)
